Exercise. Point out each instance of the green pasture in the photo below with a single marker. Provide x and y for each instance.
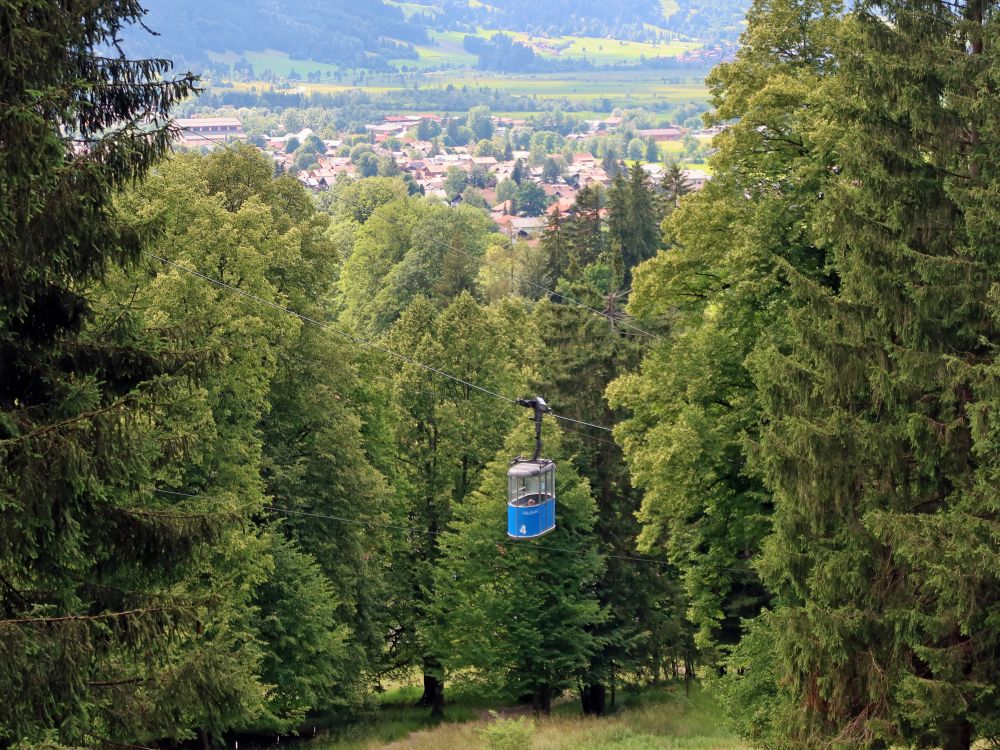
(411, 9)
(617, 86)
(445, 50)
(277, 61)
(620, 88)
(611, 51)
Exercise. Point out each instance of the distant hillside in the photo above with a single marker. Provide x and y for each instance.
(361, 33)
(370, 33)
(704, 20)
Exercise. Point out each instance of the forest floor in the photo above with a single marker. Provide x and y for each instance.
(655, 719)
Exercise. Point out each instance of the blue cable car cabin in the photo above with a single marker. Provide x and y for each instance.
(531, 498)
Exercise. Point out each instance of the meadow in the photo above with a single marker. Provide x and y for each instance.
(652, 719)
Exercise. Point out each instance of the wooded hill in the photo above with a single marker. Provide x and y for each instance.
(370, 33)
(253, 443)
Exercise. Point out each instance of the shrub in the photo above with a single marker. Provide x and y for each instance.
(508, 734)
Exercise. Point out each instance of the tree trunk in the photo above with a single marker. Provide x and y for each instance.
(433, 695)
(433, 689)
(541, 699)
(957, 735)
(593, 699)
(206, 743)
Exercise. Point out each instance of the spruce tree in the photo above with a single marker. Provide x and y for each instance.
(584, 354)
(90, 610)
(583, 229)
(633, 220)
(555, 251)
(879, 439)
(516, 617)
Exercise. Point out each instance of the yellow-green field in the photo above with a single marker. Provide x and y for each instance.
(662, 719)
(446, 48)
(593, 91)
(620, 88)
(411, 9)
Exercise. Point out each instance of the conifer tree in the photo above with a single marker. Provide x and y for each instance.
(584, 354)
(516, 617)
(583, 230)
(555, 251)
(879, 432)
(93, 609)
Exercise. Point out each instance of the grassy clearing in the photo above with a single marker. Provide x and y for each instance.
(661, 719)
(395, 719)
(601, 51)
(445, 50)
(279, 62)
(590, 90)
(410, 9)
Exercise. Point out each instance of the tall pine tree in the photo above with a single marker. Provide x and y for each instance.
(880, 431)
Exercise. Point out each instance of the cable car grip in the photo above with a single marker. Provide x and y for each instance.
(540, 408)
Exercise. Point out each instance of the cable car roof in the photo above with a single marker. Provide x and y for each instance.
(524, 467)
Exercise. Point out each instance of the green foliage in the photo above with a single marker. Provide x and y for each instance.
(102, 601)
(873, 444)
(721, 287)
(756, 703)
(480, 121)
(305, 649)
(446, 432)
(513, 615)
(633, 220)
(455, 182)
(506, 189)
(507, 734)
(530, 199)
(427, 249)
(357, 200)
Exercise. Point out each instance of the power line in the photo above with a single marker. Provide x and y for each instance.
(419, 530)
(356, 339)
(320, 324)
(483, 261)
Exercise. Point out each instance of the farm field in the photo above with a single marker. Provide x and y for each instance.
(447, 49)
(640, 88)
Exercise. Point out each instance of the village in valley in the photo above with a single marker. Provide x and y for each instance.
(519, 187)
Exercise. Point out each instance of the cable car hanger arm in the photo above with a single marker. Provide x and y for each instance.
(540, 407)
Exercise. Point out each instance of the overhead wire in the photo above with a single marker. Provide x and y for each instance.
(483, 261)
(356, 339)
(423, 531)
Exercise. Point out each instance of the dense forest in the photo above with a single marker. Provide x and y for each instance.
(254, 441)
